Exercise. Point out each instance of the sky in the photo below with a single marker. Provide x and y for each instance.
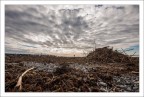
(68, 30)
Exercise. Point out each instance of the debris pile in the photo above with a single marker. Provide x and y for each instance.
(108, 55)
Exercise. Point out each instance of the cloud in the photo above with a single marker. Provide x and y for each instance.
(65, 29)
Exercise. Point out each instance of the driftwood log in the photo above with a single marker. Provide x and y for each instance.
(19, 82)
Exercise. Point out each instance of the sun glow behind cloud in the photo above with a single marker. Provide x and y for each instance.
(70, 29)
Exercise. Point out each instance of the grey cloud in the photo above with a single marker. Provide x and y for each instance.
(16, 50)
(77, 27)
(29, 46)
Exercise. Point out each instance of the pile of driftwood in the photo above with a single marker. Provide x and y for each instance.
(108, 55)
(62, 80)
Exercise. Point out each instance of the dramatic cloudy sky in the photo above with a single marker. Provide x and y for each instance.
(70, 29)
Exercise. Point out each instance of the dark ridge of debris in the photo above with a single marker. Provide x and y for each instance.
(63, 68)
(108, 55)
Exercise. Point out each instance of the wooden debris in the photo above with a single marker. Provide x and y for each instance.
(19, 82)
(106, 69)
(108, 55)
(134, 72)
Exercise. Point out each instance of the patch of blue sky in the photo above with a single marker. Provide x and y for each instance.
(132, 49)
